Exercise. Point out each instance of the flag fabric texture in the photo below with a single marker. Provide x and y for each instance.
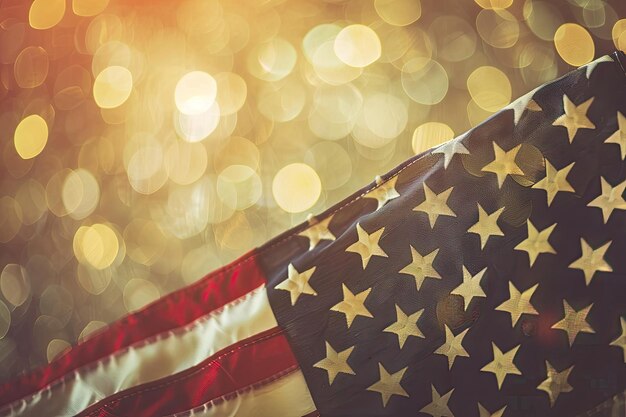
(485, 277)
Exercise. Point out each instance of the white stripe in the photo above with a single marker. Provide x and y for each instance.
(164, 355)
(285, 397)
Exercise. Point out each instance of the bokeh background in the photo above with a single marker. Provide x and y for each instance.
(144, 143)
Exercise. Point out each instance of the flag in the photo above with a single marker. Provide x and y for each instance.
(485, 277)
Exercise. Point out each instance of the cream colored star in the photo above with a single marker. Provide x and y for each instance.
(470, 287)
(453, 346)
(574, 117)
(503, 163)
(384, 192)
(335, 362)
(367, 245)
(592, 260)
(502, 364)
(574, 322)
(438, 407)
(421, 267)
(297, 283)
(610, 199)
(388, 384)
(449, 149)
(318, 231)
(518, 303)
(620, 341)
(487, 225)
(435, 205)
(405, 326)
(352, 305)
(521, 104)
(537, 242)
(619, 136)
(483, 412)
(555, 181)
(555, 383)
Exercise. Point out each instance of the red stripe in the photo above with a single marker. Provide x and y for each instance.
(251, 362)
(168, 313)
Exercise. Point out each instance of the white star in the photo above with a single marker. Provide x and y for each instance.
(521, 104)
(451, 148)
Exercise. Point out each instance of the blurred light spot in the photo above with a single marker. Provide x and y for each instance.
(185, 162)
(94, 281)
(31, 67)
(398, 12)
(197, 262)
(574, 44)
(102, 29)
(281, 103)
(429, 135)
(81, 193)
(44, 14)
(489, 87)
(385, 115)
(543, 18)
(55, 348)
(331, 161)
(138, 293)
(96, 245)
(188, 209)
(57, 302)
(296, 188)
(195, 93)
(231, 92)
(31, 136)
(89, 7)
(494, 4)
(424, 80)
(112, 87)
(5, 319)
(498, 28)
(32, 199)
(335, 110)
(272, 60)
(455, 38)
(145, 241)
(318, 36)
(15, 284)
(619, 34)
(476, 114)
(239, 186)
(10, 218)
(146, 170)
(194, 128)
(357, 46)
(236, 151)
(330, 68)
(71, 87)
(90, 329)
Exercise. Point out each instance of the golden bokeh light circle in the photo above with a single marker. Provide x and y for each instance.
(296, 187)
(44, 14)
(357, 46)
(112, 87)
(574, 44)
(430, 134)
(399, 12)
(31, 136)
(195, 93)
(489, 87)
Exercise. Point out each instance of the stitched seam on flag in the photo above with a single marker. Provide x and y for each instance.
(186, 376)
(234, 394)
(76, 374)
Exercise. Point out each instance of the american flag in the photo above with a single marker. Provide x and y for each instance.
(485, 277)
